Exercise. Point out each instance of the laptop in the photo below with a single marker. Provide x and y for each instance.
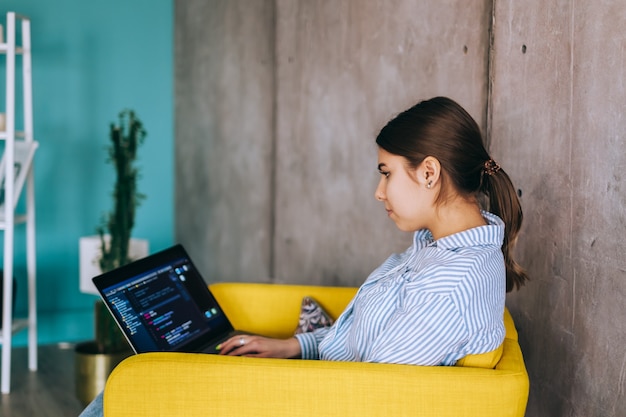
(162, 304)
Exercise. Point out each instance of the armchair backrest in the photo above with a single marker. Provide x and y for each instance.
(273, 309)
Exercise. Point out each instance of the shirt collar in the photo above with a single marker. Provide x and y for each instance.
(490, 234)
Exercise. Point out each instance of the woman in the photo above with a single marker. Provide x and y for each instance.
(443, 298)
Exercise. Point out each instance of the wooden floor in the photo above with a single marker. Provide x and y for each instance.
(48, 392)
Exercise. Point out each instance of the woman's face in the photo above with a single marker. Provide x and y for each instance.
(408, 201)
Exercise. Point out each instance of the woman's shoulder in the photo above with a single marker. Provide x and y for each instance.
(444, 271)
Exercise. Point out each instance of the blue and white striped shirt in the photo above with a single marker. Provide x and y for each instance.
(432, 305)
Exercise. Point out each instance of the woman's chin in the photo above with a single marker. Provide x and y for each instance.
(402, 227)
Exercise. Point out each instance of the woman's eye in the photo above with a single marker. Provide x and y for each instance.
(384, 174)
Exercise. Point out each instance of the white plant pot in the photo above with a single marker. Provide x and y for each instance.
(90, 253)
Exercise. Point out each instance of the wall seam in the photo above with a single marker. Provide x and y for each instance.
(571, 130)
(490, 72)
(273, 144)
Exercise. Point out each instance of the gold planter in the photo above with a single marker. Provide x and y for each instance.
(92, 369)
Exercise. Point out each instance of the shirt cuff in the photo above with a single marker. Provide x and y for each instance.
(308, 345)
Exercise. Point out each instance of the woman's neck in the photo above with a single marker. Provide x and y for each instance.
(456, 216)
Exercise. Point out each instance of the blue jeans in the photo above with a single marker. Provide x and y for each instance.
(94, 409)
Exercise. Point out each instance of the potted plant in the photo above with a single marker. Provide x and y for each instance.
(96, 359)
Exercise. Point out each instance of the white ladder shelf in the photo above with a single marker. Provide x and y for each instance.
(16, 170)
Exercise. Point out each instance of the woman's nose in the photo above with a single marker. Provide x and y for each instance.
(379, 194)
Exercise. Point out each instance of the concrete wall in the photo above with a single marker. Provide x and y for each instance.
(343, 69)
(558, 126)
(224, 128)
(277, 106)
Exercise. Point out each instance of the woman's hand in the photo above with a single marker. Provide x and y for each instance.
(260, 347)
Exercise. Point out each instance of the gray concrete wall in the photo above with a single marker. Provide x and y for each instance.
(224, 93)
(343, 70)
(559, 126)
(277, 106)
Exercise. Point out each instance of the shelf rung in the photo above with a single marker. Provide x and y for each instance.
(18, 219)
(19, 134)
(4, 48)
(18, 324)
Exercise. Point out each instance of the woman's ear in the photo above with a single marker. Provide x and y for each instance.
(429, 172)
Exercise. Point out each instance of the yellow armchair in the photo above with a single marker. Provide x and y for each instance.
(190, 385)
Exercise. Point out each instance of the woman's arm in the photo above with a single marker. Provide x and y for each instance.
(423, 332)
(260, 347)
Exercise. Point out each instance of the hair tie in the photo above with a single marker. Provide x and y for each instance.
(490, 167)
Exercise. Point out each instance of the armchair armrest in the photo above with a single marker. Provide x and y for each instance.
(190, 385)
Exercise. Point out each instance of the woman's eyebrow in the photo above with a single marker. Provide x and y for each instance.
(381, 165)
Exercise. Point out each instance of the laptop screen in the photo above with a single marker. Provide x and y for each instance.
(162, 303)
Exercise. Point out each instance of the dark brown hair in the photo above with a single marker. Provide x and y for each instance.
(441, 128)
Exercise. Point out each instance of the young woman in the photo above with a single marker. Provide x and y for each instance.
(443, 298)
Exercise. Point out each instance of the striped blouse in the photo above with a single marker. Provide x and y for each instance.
(432, 305)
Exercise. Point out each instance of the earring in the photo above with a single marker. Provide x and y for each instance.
(430, 184)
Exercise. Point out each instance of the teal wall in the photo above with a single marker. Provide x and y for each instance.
(90, 61)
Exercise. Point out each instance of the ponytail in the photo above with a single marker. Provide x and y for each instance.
(503, 202)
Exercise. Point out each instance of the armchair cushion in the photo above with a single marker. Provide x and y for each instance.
(312, 316)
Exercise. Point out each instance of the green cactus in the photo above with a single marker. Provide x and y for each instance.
(126, 139)
(109, 337)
